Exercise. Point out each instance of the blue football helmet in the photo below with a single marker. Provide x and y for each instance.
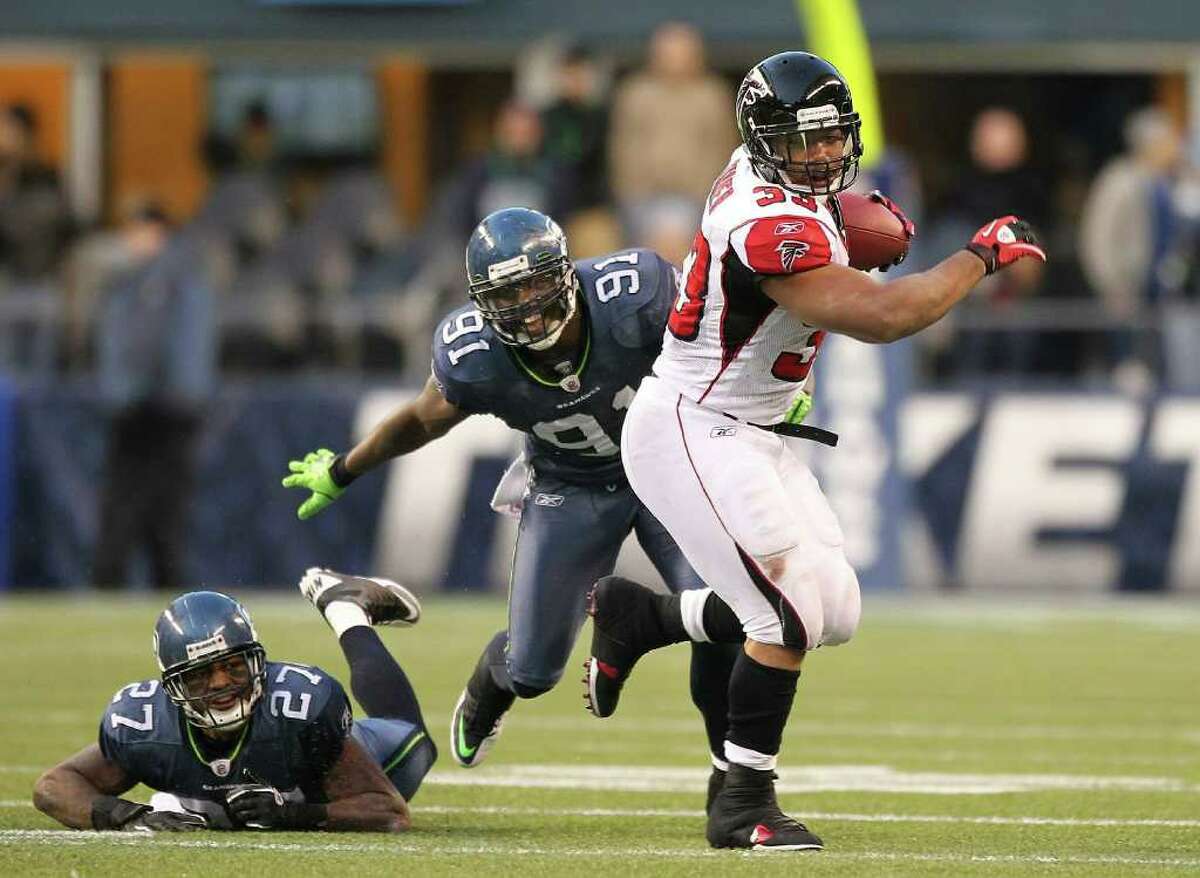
(202, 637)
(520, 277)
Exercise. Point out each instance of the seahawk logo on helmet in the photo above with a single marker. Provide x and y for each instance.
(520, 277)
(788, 104)
(197, 632)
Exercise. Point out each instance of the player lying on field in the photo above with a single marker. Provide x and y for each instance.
(556, 349)
(233, 741)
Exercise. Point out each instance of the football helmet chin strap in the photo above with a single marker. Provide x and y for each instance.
(551, 340)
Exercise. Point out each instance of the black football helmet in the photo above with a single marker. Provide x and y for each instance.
(520, 277)
(787, 106)
(197, 631)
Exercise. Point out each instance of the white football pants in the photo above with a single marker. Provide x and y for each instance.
(749, 516)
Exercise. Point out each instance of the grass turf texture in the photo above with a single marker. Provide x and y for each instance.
(944, 740)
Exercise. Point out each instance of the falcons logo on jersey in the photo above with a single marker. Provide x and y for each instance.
(790, 251)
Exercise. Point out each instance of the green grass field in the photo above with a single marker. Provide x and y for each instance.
(944, 740)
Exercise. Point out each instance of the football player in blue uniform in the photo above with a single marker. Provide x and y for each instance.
(557, 350)
(233, 741)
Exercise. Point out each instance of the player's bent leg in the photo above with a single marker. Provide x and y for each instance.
(404, 750)
(351, 604)
(628, 621)
(478, 716)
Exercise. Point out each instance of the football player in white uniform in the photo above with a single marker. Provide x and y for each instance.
(767, 277)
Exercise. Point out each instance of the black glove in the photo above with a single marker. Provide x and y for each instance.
(109, 813)
(258, 806)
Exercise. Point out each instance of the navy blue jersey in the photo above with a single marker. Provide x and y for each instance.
(295, 735)
(576, 436)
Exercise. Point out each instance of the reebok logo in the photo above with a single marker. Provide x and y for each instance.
(790, 228)
(548, 500)
(721, 432)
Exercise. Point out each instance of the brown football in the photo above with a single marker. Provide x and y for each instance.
(874, 236)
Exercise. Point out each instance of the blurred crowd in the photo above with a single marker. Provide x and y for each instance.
(286, 268)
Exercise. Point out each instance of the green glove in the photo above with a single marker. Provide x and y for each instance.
(801, 406)
(317, 473)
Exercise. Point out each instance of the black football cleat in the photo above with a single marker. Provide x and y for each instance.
(624, 628)
(385, 602)
(746, 814)
(716, 783)
(478, 716)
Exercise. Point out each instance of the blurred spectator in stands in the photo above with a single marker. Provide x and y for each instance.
(999, 180)
(1130, 236)
(256, 139)
(156, 366)
(576, 136)
(1130, 204)
(514, 171)
(35, 223)
(672, 132)
(576, 127)
(251, 147)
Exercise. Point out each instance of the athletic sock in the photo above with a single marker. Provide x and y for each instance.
(376, 678)
(760, 699)
(344, 615)
(721, 624)
(490, 685)
(712, 666)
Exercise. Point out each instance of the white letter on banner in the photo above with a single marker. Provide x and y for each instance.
(1019, 488)
(423, 500)
(1176, 435)
(851, 389)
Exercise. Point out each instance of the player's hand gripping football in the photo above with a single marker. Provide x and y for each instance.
(320, 473)
(910, 228)
(1005, 240)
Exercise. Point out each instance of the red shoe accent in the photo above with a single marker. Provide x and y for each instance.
(761, 835)
(608, 670)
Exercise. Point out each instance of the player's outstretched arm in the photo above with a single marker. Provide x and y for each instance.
(361, 798)
(68, 791)
(848, 301)
(426, 418)
(326, 475)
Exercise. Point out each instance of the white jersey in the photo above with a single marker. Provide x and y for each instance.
(728, 346)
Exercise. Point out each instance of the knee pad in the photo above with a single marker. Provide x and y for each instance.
(844, 608)
(524, 690)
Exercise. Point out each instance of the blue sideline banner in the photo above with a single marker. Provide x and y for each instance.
(1006, 492)
(1055, 493)
(8, 479)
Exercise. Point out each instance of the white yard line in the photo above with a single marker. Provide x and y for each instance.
(505, 810)
(829, 817)
(804, 779)
(855, 729)
(55, 838)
